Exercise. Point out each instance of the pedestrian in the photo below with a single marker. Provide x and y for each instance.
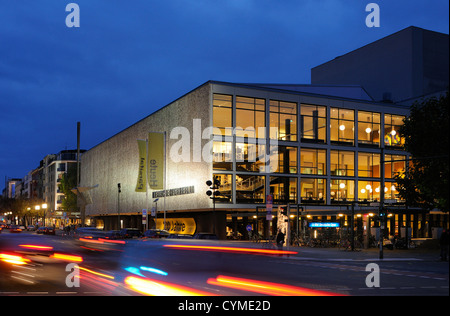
(443, 242)
(280, 239)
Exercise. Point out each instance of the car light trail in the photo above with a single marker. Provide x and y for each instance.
(96, 273)
(233, 249)
(67, 257)
(263, 287)
(159, 288)
(13, 259)
(36, 247)
(153, 270)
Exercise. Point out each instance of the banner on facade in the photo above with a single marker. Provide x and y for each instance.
(141, 185)
(155, 163)
(182, 226)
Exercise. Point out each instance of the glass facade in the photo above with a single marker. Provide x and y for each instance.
(322, 155)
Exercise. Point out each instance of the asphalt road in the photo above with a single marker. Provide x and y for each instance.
(181, 268)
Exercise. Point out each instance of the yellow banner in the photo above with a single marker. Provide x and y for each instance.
(141, 185)
(182, 226)
(155, 162)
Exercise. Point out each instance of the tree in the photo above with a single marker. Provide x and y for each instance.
(68, 182)
(426, 132)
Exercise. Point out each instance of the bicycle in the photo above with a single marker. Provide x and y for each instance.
(269, 243)
(346, 245)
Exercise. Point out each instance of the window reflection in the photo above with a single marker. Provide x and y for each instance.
(313, 190)
(313, 123)
(283, 120)
(250, 188)
(342, 163)
(392, 124)
(313, 161)
(283, 189)
(342, 126)
(368, 128)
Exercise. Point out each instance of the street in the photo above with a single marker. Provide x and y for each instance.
(44, 265)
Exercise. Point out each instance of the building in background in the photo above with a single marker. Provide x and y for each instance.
(317, 148)
(400, 68)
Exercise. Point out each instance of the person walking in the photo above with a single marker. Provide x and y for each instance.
(443, 242)
(280, 239)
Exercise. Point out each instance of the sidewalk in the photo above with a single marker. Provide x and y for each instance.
(371, 254)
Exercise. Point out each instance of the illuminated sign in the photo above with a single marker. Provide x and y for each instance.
(184, 226)
(318, 225)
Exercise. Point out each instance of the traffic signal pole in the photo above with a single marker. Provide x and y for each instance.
(381, 210)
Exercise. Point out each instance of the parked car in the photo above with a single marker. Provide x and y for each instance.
(179, 236)
(156, 233)
(129, 233)
(31, 228)
(209, 236)
(45, 230)
(15, 229)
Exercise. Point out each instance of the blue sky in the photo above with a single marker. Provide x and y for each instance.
(129, 58)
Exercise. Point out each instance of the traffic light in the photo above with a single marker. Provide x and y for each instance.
(213, 192)
(284, 210)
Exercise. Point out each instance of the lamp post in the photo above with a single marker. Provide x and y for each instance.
(118, 206)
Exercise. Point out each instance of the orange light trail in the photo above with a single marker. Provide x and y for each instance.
(37, 247)
(263, 287)
(67, 257)
(233, 249)
(97, 273)
(160, 288)
(13, 259)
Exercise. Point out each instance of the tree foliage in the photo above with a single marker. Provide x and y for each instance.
(426, 132)
(68, 182)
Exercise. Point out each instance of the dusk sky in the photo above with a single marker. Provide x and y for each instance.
(129, 58)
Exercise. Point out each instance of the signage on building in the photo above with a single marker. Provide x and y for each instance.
(184, 226)
(318, 225)
(141, 185)
(173, 192)
(155, 163)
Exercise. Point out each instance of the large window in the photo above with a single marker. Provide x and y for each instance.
(250, 188)
(283, 159)
(342, 126)
(223, 114)
(313, 161)
(342, 190)
(394, 165)
(225, 188)
(313, 189)
(313, 123)
(368, 165)
(368, 128)
(250, 157)
(342, 163)
(368, 190)
(222, 156)
(283, 120)
(283, 189)
(392, 124)
(250, 117)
